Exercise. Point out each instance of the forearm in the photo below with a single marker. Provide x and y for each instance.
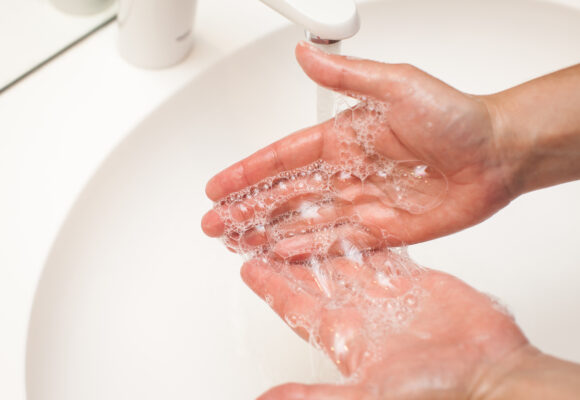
(537, 127)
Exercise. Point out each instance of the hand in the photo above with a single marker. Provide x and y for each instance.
(425, 119)
(398, 330)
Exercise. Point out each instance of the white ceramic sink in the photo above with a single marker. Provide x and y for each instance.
(136, 303)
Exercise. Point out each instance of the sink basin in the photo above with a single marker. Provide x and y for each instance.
(136, 303)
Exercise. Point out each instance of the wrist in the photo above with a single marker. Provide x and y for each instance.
(496, 381)
(529, 374)
(511, 148)
(537, 130)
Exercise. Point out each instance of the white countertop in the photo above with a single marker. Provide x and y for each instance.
(58, 125)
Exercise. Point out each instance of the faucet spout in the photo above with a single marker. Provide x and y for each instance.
(326, 20)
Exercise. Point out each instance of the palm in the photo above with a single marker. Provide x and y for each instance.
(402, 332)
(451, 132)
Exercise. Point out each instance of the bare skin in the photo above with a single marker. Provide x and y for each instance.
(491, 149)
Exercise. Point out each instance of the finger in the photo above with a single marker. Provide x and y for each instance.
(298, 307)
(369, 213)
(343, 188)
(212, 225)
(295, 391)
(213, 222)
(379, 80)
(312, 218)
(293, 151)
(303, 214)
(348, 240)
(301, 193)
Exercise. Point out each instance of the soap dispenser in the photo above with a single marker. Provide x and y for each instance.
(155, 33)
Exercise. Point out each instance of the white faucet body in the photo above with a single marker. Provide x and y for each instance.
(330, 20)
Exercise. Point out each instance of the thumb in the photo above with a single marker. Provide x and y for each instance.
(365, 77)
(295, 391)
